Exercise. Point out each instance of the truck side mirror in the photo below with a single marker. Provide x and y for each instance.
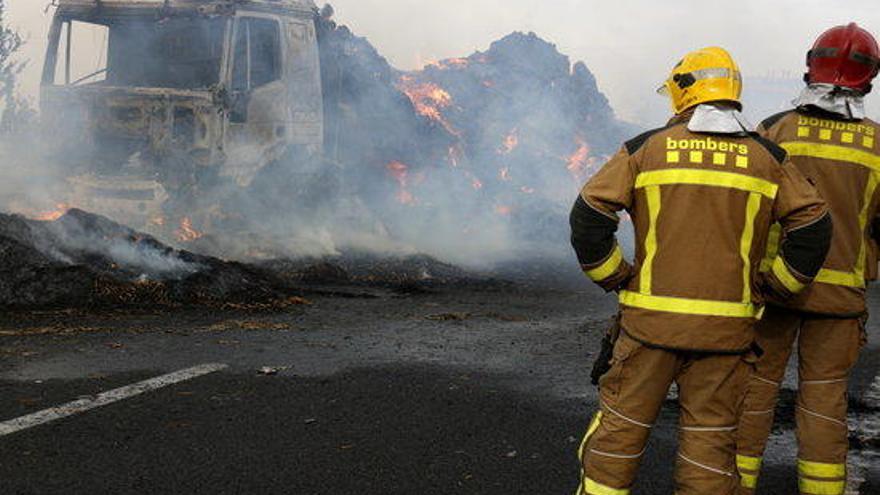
(238, 111)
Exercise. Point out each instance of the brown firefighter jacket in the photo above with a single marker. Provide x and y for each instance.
(842, 158)
(702, 206)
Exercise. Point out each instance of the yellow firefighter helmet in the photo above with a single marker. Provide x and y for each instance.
(709, 74)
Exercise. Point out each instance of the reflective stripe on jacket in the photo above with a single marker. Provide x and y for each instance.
(841, 157)
(701, 206)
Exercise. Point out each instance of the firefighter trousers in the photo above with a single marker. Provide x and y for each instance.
(827, 351)
(710, 387)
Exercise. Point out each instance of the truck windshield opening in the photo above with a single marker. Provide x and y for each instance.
(171, 53)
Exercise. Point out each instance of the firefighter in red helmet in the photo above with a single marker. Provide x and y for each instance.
(835, 146)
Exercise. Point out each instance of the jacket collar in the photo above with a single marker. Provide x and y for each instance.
(831, 99)
(713, 119)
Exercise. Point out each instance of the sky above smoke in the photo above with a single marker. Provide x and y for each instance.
(629, 44)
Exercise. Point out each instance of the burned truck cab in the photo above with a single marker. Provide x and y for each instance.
(150, 102)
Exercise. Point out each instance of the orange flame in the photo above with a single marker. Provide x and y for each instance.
(429, 100)
(186, 232)
(51, 216)
(476, 183)
(504, 210)
(579, 161)
(511, 141)
(504, 173)
(400, 172)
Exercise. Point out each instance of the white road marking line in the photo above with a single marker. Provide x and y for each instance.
(105, 398)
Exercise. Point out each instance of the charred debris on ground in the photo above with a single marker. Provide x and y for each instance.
(82, 260)
(501, 137)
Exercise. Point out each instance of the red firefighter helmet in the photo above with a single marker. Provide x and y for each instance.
(845, 56)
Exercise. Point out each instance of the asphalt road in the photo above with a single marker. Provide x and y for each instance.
(455, 391)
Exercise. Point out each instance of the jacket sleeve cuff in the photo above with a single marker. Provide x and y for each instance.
(785, 281)
(611, 272)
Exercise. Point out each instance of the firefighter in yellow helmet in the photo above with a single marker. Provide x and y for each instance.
(702, 193)
(831, 141)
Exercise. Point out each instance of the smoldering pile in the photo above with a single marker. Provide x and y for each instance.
(85, 260)
(470, 160)
(401, 274)
(473, 161)
(475, 155)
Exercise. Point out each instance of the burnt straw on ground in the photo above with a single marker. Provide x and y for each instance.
(83, 259)
(86, 260)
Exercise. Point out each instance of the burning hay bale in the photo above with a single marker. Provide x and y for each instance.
(483, 151)
(82, 259)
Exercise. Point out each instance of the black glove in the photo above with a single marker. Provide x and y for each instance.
(603, 360)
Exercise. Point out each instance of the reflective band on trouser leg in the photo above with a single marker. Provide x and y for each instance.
(818, 478)
(749, 481)
(821, 469)
(594, 425)
(783, 273)
(749, 468)
(822, 434)
(607, 267)
(819, 487)
(748, 463)
(752, 209)
(653, 195)
(611, 455)
(590, 487)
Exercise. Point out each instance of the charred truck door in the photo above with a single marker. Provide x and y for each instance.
(275, 93)
(259, 114)
(304, 87)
